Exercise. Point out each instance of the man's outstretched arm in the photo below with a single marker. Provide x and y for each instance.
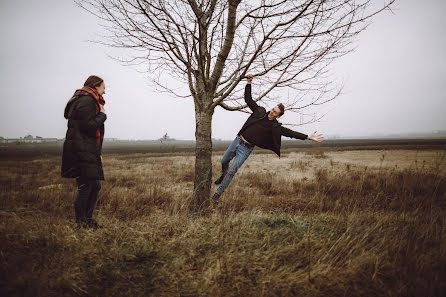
(248, 97)
(297, 135)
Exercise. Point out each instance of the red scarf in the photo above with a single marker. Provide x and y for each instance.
(99, 100)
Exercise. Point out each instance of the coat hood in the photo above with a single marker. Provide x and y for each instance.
(68, 110)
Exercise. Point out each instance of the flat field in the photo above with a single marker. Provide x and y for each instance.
(362, 219)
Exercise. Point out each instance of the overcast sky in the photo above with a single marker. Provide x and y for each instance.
(393, 81)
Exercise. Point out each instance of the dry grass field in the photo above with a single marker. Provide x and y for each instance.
(313, 223)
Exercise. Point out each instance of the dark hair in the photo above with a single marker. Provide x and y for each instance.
(93, 81)
(282, 109)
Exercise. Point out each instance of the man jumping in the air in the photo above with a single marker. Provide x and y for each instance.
(261, 129)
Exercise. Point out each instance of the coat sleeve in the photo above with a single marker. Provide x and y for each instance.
(248, 98)
(293, 134)
(86, 115)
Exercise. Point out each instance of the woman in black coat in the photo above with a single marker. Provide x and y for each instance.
(82, 156)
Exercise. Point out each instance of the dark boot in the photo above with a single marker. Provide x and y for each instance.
(224, 169)
(81, 224)
(215, 198)
(220, 179)
(91, 223)
(88, 224)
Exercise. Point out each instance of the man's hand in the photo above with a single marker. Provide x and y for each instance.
(101, 108)
(316, 137)
(249, 78)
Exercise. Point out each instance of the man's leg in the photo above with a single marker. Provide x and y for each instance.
(242, 153)
(227, 157)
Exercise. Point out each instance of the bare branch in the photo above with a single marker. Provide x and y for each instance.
(210, 45)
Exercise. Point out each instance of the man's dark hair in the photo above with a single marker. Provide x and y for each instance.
(282, 109)
(93, 81)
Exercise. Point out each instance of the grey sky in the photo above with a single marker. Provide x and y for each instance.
(393, 81)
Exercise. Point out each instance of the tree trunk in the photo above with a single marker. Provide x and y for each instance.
(203, 162)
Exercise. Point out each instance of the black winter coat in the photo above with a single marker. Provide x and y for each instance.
(258, 113)
(81, 151)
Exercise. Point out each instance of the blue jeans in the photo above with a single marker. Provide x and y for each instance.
(237, 151)
(87, 194)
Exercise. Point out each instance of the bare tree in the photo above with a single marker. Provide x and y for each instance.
(210, 45)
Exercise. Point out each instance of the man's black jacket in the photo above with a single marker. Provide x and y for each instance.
(81, 150)
(258, 113)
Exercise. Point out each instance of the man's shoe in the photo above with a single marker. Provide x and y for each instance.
(220, 179)
(215, 198)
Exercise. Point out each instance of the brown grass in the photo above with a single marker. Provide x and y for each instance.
(346, 224)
